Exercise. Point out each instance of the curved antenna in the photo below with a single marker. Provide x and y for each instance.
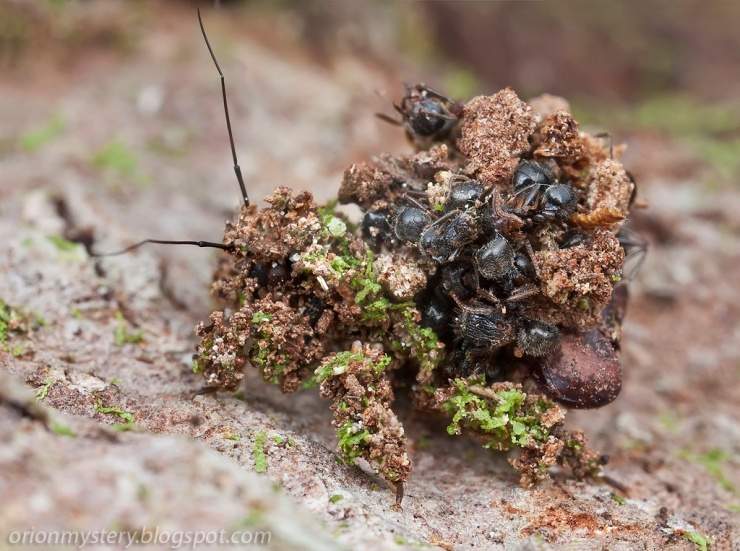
(237, 169)
(165, 242)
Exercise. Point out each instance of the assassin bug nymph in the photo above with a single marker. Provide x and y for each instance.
(490, 288)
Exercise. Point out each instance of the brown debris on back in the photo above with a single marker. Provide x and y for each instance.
(495, 133)
(610, 188)
(546, 104)
(361, 393)
(578, 281)
(558, 137)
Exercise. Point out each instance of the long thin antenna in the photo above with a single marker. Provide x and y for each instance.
(237, 170)
(165, 242)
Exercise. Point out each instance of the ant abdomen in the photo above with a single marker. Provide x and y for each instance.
(464, 194)
(495, 259)
(537, 339)
(485, 328)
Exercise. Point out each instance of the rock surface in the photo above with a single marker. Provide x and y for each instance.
(114, 351)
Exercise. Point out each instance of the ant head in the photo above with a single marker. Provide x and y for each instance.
(411, 223)
(529, 174)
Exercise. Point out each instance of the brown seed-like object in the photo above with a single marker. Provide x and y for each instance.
(585, 372)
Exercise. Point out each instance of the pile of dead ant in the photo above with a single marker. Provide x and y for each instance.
(487, 269)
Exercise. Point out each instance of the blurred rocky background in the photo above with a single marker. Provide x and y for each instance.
(111, 130)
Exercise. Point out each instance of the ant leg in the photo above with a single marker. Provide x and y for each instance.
(390, 120)
(520, 293)
(416, 203)
(608, 136)
(635, 247)
(530, 252)
(467, 308)
(165, 242)
(237, 169)
(487, 295)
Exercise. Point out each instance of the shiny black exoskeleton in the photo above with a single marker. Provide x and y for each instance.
(411, 223)
(426, 113)
(537, 338)
(536, 194)
(464, 194)
(443, 239)
(376, 227)
(495, 259)
(483, 328)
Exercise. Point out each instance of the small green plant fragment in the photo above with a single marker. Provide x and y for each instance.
(43, 391)
(62, 244)
(260, 317)
(335, 498)
(233, 436)
(116, 157)
(123, 427)
(504, 414)
(14, 322)
(713, 462)
(125, 416)
(700, 540)
(17, 350)
(352, 440)
(618, 499)
(279, 440)
(62, 430)
(34, 140)
(122, 335)
(258, 452)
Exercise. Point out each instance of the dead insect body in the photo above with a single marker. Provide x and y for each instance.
(444, 239)
(495, 259)
(464, 194)
(426, 114)
(538, 196)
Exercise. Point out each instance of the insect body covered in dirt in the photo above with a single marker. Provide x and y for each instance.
(479, 271)
(426, 115)
(537, 195)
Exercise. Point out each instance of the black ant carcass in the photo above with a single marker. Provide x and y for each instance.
(487, 269)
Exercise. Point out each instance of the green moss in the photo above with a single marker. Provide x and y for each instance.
(424, 343)
(258, 452)
(17, 350)
(35, 139)
(123, 427)
(122, 335)
(339, 363)
(14, 322)
(507, 417)
(335, 498)
(233, 437)
(260, 317)
(62, 430)
(125, 416)
(700, 540)
(618, 499)
(62, 244)
(713, 462)
(43, 391)
(116, 157)
(352, 441)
